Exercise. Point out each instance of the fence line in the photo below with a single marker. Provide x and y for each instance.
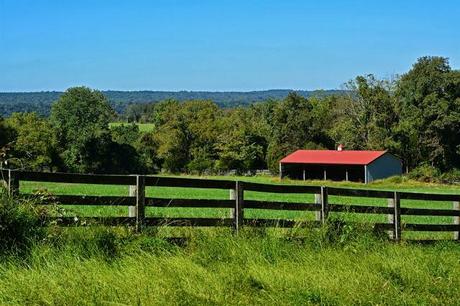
(137, 202)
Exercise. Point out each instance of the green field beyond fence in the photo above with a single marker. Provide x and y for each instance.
(142, 201)
(143, 127)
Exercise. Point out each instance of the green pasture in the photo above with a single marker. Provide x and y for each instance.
(143, 127)
(197, 193)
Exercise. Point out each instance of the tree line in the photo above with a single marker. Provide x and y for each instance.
(415, 116)
(40, 102)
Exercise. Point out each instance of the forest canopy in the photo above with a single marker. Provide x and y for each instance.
(415, 116)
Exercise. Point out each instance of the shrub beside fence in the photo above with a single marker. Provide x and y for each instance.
(137, 202)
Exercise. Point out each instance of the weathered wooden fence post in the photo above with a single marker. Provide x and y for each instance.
(140, 202)
(13, 183)
(391, 219)
(231, 196)
(132, 193)
(324, 204)
(456, 207)
(239, 203)
(397, 216)
(318, 202)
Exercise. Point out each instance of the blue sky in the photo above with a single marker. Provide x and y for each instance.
(217, 45)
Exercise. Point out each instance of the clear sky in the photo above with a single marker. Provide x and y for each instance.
(217, 45)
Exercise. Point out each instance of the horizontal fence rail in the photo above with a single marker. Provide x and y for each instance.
(360, 209)
(281, 188)
(137, 202)
(188, 182)
(189, 203)
(76, 178)
(281, 205)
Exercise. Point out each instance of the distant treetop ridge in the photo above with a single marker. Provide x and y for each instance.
(40, 102)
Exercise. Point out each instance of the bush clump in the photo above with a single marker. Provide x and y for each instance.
(430, 174)
(425, 173)
(21, 224)
(451, 177)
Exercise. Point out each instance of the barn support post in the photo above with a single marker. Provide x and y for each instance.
(365, 175)
(324, 204)
(281, 170)
(346, 175)
(325, 174)
(238, 216)
(13, 183)
(304, 174)
(456, 207)
(397, 216)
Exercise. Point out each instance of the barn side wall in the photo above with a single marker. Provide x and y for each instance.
(385, 166)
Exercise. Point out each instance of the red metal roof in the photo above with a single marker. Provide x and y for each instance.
(332, 157)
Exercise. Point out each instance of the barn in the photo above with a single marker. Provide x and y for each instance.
(340, 165)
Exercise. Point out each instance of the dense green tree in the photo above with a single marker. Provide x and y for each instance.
(106, 156)
(323, 120)
(35, 143)
(172, 137)
(186, 134)
(125, 133)
(366, 117)
(291, 128)
(201, 119)
(147, 148)
(139, 112)
(81, 119)
(6, 133)
(429, 108)
(240, 145)
(6, 138)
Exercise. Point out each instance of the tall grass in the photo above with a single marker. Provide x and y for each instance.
(20, 224)
(338, 264)
(104, 266)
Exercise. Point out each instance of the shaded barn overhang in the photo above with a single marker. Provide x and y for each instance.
(336, 172)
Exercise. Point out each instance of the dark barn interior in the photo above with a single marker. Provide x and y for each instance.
(354, 173)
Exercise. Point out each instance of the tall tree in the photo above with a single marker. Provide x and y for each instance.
(6, 133)
(291, 128)
(366, 116)
(429, 106)
(81, 119)
(240, 144)
(35, 142)
(171, 136)
(6, 138)
(186, 134)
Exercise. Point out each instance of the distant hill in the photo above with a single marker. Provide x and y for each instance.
(41, 101)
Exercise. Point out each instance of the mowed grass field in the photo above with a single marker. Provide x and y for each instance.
(197, 193)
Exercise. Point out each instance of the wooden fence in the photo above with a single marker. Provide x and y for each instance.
(137, 202)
